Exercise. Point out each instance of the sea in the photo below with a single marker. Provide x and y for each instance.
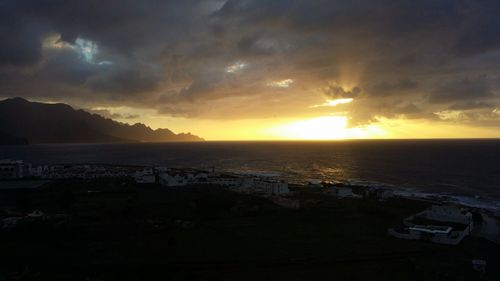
(464, 170)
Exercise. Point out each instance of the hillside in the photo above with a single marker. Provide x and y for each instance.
(60, 123)
(6, 139)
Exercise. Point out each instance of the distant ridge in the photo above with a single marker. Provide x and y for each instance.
(6, 139)
(23, 121)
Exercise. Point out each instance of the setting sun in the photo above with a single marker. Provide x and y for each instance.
(322, 128)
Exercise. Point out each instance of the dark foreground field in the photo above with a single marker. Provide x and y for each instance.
(118, 231)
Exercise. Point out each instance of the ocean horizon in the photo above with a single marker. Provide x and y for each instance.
(459, 167)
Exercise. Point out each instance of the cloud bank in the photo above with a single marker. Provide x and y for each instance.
(234, 59)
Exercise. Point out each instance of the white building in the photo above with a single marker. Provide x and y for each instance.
(249, 184)
(36, 171)
(228, 180)
(10, 169)
(488, 226)
(181, 177)
(145, 176)
(200, 177)
(438, 224)
(36, 214)
(315, 183)
(173, 179)
(385, 194)
(379, 193)
(270, 186)
(341, 192)
(146, 179)
(479, 265)
(447, 213)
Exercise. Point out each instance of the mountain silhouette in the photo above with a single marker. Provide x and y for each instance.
(22, 121)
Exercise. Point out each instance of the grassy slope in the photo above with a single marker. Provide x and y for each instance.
(126, 233)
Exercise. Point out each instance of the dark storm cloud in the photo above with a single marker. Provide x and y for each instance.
(471, 105)
(410, 57)
(466, 89)
(130, 77)
(20, 36)
(480, 33)
(124, 25)
(391, 88)
(338, 92)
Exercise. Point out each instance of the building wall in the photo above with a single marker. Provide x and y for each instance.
(443, 214)
(172, 180)
(446, 213)
(11, 170)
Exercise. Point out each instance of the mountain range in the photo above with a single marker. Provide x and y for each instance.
(22, 122)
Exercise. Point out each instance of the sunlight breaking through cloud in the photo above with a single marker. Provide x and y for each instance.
(281, 84)
(333, 103)
(236, 67)
(86, 48)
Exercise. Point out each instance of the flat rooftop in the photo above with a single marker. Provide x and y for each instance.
(423, 221)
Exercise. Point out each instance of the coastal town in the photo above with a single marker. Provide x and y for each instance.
(443, 223)
(163, 176)
(83, 194)
(12, 170)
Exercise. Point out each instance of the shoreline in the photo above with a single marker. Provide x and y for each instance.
(484, 203)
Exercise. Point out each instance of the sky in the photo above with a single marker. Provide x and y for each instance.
(260, 69)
